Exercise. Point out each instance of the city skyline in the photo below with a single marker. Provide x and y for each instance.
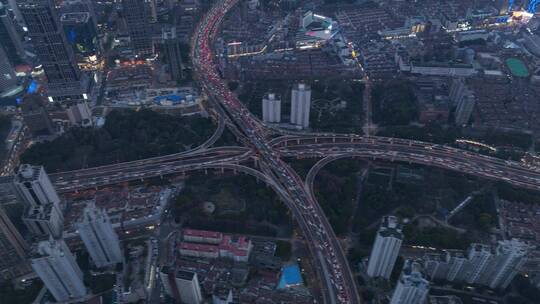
(281, 152)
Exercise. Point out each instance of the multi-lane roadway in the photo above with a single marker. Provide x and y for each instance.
(152, 167)
(329, 259)
(411, 151)
(320, 146)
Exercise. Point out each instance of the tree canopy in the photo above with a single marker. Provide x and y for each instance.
(126, 136)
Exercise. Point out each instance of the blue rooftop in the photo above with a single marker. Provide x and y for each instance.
(290, 276)
(174, 98)
(32, 88)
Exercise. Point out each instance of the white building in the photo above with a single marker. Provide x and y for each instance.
(510, 256)
(411, 288)
(222, 295)
(59, 271)
(43, 215)
(45, 220)
(463, 99)
(99, 237)
(300, 105)
(271, 108)
(480, 265)
(188, 286)
(457, 90)
(34, 186)
(386, 248)
(79, 114)
(8, 80)
(465, 109)
(478, 256)
(472, 35)
(315, 30)
(181, 285)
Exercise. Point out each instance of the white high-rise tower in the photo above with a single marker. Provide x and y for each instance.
(510, 257)
(188, 287)
(479, 256)
(411, 288)
(34, 186)
(300, 105)
(43, 215)
(182, 285)
(99, 237)
(386, 248)
(271, 108)
(59, 271)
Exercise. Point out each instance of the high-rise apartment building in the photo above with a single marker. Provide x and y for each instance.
(81, 33)
(80, 114)
(271, 106)
(135, 13)
(153, 6)
(34, 186)
(15, 8)
(80, 6)
(188, 287)
(510, 256)
(35, 115)
(10, 40)
(45, 220)
(480, 264)
(181, 285)
(222, 295)
(300, 105)
(462, 98)
(464, 109)
(171, 50)
(57, 268)
(478, 256)
(457, 90)
(99, 237)
(13, 250)
(411, 287)
(386, 248)
(8, 79)
(43, 215)
(54, 52)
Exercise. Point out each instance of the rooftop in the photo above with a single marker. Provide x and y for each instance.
(185, 275)
(198, 247)
(80, 17)
(290, 276)
(517, 67)
(202, 233)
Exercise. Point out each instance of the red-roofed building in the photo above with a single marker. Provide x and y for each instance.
(211, 244)
(199, 250)
(202, 236)
(236, 248)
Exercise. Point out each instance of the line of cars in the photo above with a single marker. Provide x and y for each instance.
(305, 209)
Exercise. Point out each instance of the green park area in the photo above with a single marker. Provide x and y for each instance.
(127, 135)
(240, 204)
